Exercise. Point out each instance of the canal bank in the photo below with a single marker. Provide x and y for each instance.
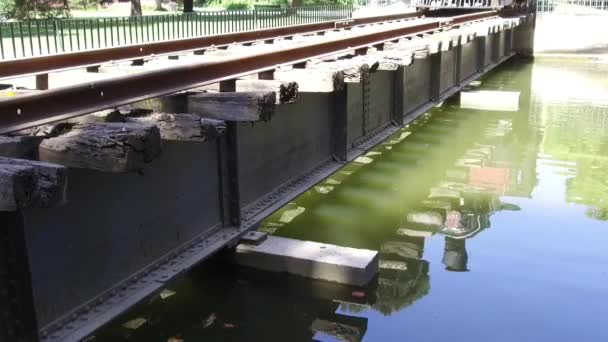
(490, 224)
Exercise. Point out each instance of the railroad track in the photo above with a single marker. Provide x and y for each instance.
(43, 107)
(190, 98)
(63, 61)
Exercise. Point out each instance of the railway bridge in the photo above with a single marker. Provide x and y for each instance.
(122, 168)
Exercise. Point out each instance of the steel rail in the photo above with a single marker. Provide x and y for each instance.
(63, 103)
(71, 60)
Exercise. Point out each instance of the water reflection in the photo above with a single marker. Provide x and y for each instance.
(219, 302)
(444, 175)
(423, 198)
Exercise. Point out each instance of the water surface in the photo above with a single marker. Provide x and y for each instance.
(491, 224)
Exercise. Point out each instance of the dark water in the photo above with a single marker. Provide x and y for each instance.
(490, 223)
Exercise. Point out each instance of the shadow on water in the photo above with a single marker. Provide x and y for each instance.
(420, 198)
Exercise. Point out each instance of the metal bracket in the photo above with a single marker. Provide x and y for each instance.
(481, 53)
(495, 41)
(339, 124)
(458, 64)
(436, 74)
(17, 314)
(508, 41)
(366, 97)
(230, 202)
(398, 96)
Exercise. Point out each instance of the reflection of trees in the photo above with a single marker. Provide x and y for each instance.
(219, 302)
(403, 276)
(590, 187)
(578, 133)
(399, 289)
(443, 176)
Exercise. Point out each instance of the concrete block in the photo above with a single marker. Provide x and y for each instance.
(504, 101)
(314, 260)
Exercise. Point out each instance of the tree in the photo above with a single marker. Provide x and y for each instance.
(159, 5)
(29, 9)
(188, 6)
(136, 8)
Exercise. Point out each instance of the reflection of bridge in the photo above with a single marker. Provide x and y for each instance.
(219, 303)
(375, 203)
(587, 6)
(572, 26)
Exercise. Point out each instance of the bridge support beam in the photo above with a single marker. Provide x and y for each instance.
(482, 44)
(339, 125)
(524, 35)
(436, 72)
(17, 312)
(230, 208)
(398, 96)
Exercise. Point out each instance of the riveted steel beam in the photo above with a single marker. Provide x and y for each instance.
(17, 313)
(398, 96)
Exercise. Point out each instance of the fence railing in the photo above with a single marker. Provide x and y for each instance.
(551, 5)
(376, 3)
(457, 3)
(43, 37)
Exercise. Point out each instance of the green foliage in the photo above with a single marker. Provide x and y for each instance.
(246, 4)
(226, 4)
(327, 2)
(237, 5)
(7, 7)
(84, 4)
(30, 9)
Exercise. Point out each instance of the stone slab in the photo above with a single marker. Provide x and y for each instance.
(504, 101)
(309, 259)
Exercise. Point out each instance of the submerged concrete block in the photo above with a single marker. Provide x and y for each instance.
(494, 100)
(315, 260)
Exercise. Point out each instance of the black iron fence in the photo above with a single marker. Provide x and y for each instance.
(42, 37)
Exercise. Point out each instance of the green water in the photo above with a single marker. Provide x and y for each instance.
(490, 224)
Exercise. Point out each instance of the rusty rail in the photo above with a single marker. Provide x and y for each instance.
(63, 61)
(62, 103)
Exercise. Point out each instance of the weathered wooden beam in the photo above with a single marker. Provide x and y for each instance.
(391, 59)
(286, 92)
(242, 106)
(174, 103)
(351, 68)
(312, 80)
(183, 127)
(19, 147)
(109, 147)
(26, 184)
